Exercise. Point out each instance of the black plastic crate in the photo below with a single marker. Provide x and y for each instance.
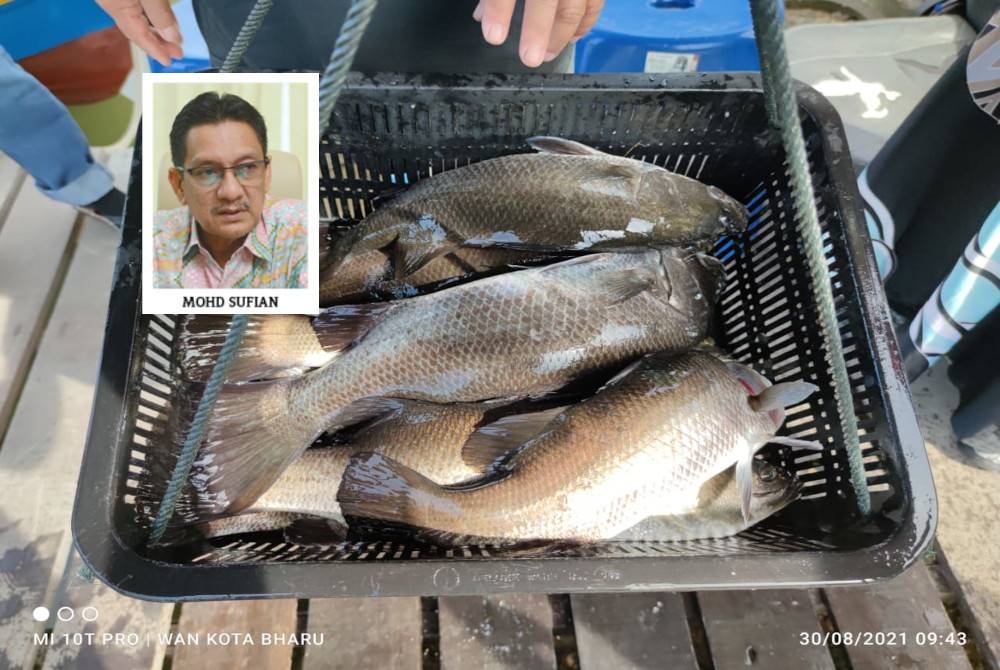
(393, 130)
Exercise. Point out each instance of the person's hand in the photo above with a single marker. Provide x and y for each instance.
(548, 26)
(149, 23)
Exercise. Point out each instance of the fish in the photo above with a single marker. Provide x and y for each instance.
(567, 197)
(276, 346)
(513, 336)
(716, 511)
(654, 436)
(425, 436)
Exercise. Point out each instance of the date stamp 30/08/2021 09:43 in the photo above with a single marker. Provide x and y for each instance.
(881, 638)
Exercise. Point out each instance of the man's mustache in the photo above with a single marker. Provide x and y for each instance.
(243, 206)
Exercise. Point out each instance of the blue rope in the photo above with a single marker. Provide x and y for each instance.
(246, 35)
(335, 75)
(783, 108)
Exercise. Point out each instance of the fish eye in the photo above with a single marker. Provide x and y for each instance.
(768, 473)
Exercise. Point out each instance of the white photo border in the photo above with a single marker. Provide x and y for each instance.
(171, 300)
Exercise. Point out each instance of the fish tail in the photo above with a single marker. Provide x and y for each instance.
(376, 487)
(249, 441)
(263, 354)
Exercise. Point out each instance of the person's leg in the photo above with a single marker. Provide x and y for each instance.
(37, 131)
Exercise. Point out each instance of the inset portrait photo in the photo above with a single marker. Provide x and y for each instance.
(230, 193)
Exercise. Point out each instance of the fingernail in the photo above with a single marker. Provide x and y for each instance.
(477, 14)
(532, 56)
(550, 56)
(171, 34)
(493, 33)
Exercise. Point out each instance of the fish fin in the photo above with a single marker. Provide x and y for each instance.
(245, 450)
(811, 445)
(387, 195)
(309, 530)
(625, 372)
(744, 482)
(782, 395)
(239, 458)
(610, 287)
(407, 259)
(620, 286)
(262, 353)
(557, 145)
(376, 487)
(337, 328)
(491, 442)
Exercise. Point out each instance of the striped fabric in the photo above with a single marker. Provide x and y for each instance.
(272, 256)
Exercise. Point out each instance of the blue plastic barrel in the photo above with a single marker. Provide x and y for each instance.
(671, 36)
(28, 27)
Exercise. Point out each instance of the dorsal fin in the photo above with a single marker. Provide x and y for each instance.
(557, 145)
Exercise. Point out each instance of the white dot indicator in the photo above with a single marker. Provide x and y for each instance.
(40, 614)
(89, 613)
(65, 613)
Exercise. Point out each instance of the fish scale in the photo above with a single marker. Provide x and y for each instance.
(567, 198)
(641, 447)
(470, 343)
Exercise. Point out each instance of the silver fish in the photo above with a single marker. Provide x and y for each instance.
(424, 436)
(652, 437)
(517, 335)
(567, 197)
(283, 345)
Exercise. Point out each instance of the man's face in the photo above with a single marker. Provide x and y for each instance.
(230, 209)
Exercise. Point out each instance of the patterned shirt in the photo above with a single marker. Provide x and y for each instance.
(273, 255)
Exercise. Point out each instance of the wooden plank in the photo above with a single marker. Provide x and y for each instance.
(968, 498)
(632, 630)
(33, 244)
(252, 618)
(908, 604)
(40, 456)
(509, 631)
(12, 177)
(762, 629)
(107, 630)
(365, 633)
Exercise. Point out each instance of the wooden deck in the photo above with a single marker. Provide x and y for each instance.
(55, 273)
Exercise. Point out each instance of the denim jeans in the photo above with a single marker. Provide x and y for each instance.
(37, 131)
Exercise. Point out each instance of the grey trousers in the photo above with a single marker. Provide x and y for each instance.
(412, 36)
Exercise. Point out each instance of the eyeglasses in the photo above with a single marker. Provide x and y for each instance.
(250, 173)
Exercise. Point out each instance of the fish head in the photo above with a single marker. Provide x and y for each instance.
(774, 488)
(732, 215)
(682, 209)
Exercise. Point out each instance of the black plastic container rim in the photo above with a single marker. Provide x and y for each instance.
(121, 567)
